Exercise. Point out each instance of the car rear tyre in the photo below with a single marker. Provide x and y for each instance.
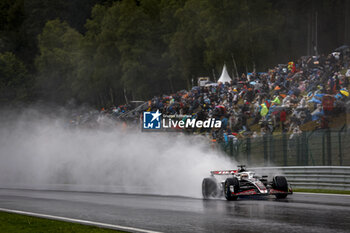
(227, 190)
(280, 183)
(209, 188)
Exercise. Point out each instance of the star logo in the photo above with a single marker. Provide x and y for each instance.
(152, 120)
(156, 115)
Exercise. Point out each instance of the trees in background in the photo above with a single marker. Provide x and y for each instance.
(105, 52)
(15, 81)
(59, 48)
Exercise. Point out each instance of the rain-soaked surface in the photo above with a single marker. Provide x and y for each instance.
(297, 213)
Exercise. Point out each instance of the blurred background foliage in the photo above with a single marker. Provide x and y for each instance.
(103, 52)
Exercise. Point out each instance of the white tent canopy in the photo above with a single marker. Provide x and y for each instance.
(224, 78)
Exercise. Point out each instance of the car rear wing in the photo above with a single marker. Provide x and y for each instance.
(224, 172)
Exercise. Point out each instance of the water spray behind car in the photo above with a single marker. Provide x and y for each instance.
(41, 151)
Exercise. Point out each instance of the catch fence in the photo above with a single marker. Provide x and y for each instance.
(324, 147)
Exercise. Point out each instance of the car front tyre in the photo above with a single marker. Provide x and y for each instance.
(280, 183)
(209, 188)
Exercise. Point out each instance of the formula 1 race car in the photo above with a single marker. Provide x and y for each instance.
(239, 183)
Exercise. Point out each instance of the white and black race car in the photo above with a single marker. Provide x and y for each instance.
(239, 183)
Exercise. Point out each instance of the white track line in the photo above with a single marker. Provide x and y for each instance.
(327, 194)
(85, 222)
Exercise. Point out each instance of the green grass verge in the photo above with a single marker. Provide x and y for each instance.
(16, 223)
(321, 191)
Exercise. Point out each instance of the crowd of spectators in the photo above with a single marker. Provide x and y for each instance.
(311, 89)
(314, 88)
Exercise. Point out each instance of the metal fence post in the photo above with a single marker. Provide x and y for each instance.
(271, 157)
(298, 149)
(304, 144)
(340, 147)
(248, 149)
(284, 145)
(323, 149)
(329, 148)
(265, 149)
(238, 144)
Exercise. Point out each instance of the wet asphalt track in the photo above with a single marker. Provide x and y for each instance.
(297, 213)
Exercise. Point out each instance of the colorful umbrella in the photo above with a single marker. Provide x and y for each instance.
(283, 95)
(314, 100)
(319, 95)
(344, 92)
(220, 106)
